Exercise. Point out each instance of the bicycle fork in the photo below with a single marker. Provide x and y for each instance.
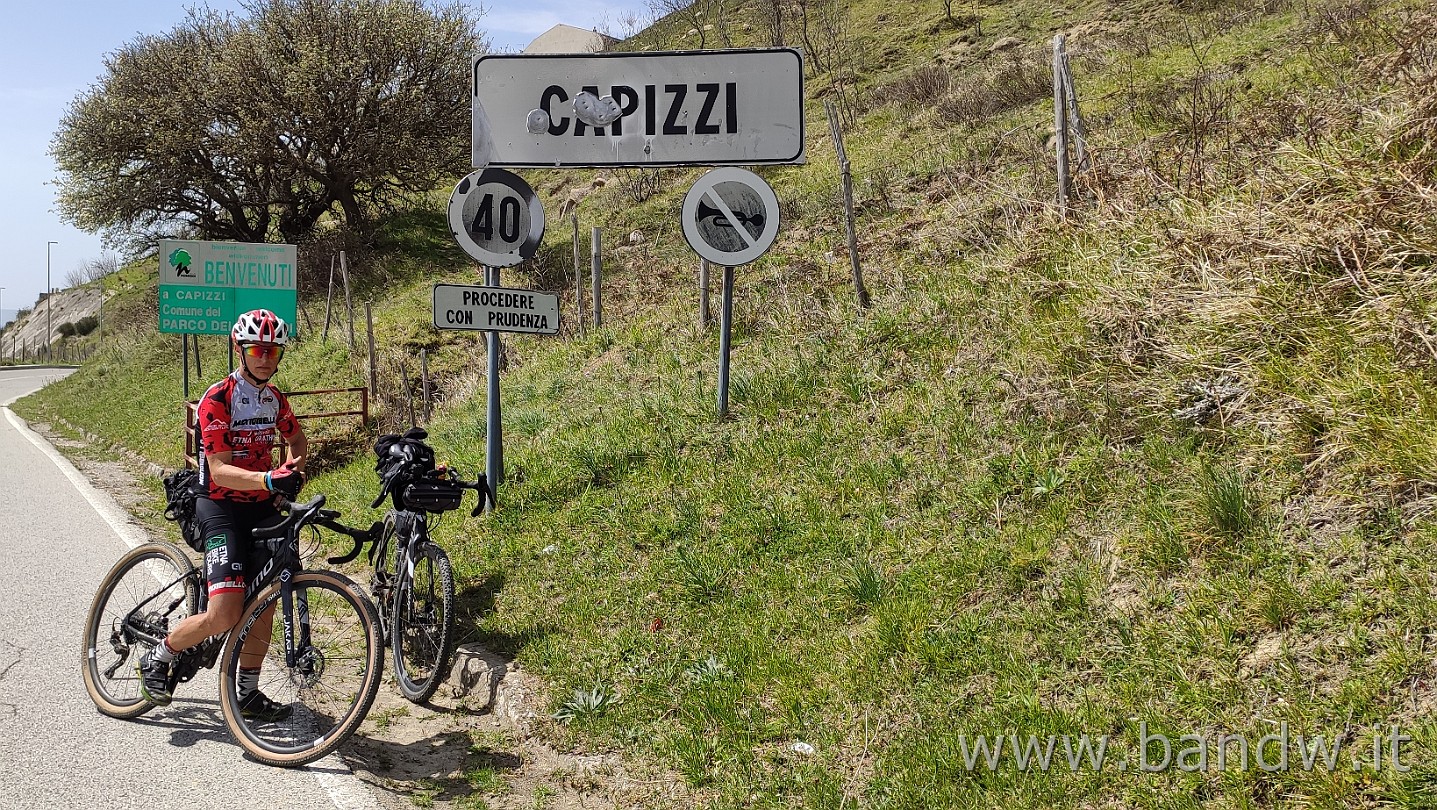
(299, 654)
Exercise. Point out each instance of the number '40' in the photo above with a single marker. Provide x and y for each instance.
(508, 219)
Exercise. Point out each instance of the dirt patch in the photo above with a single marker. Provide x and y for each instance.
(470, 751)
(477, 744)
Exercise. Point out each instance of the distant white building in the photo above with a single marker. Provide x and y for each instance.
(568, 39)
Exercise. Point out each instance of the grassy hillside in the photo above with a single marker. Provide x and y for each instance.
(1164, 466)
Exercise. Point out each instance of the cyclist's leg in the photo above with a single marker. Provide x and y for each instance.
(156, 668)
(226, 551)
(252, 701)
(256, 644)
(249, 518)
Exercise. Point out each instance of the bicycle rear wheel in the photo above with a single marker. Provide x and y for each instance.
(160, 580)
(422, 631)
(333, 682)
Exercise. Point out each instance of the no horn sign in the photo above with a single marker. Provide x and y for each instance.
(730, 216)
(495, 309)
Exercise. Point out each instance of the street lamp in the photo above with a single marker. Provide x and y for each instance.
(49, 304)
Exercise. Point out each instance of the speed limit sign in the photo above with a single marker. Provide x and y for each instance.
(496, 217)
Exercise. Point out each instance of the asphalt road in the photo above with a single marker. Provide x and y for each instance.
(58, 537)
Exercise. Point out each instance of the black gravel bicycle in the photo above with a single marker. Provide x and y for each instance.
(414, 583)
(323, 656)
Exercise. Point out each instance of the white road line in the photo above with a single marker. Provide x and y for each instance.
(347, 793)
(110, 511)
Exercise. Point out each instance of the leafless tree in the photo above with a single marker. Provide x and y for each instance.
(707, 19)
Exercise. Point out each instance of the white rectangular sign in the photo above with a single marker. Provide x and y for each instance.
(679, 108)
(495, 309)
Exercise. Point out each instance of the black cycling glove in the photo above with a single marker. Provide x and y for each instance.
(286, 481)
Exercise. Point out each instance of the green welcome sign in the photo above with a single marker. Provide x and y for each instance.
(205, 285)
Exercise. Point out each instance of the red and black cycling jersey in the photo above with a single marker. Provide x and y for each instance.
(237, 418)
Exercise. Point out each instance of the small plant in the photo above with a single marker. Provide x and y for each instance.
(1228, 501)
(708, 671)
(703, 578)
(695, 754)
(587, 703)
(384, 719)
(921, 87)
(1048, 482)
(863, 582)
(425, 792)
(486, 779)
(640, 184)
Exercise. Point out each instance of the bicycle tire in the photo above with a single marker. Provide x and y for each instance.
(344, 628)
(422, 630)
(109, 652)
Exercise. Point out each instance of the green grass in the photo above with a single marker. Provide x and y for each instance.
(974, 508)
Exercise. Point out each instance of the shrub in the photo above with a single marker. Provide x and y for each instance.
(1020, 80)
(920, 88)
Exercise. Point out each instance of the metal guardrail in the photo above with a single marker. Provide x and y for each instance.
(191, 409)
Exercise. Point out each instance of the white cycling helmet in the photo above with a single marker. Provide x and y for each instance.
(260, 326)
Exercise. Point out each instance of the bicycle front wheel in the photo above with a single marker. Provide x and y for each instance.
(322, 698)
(422, 624)
(147, 592)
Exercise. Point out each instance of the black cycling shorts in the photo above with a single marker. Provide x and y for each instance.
(232, 557)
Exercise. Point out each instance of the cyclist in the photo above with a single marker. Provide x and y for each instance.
(237, 420)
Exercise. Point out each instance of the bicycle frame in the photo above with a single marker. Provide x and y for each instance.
(283, 563)
(411, 530)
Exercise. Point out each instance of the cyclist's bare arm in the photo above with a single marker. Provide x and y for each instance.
(228, 475)
(298, 446)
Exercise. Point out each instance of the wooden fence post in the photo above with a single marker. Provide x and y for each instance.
(596, 277)
(408, 390)
(328, 300)
(836, 130)
(348, 302)
(1060, 125)
(373, 368)
(578, 269)
(424, 380)
(1076, 127)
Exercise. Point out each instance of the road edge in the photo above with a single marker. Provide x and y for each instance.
(350, 794)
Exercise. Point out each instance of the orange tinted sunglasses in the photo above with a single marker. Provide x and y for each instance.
(259, 352)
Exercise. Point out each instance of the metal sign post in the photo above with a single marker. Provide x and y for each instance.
(498, 220)
(185, 361)
(730, 217)
(494, 427)
(725, 330)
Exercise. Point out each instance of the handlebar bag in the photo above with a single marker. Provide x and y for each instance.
(432, 496)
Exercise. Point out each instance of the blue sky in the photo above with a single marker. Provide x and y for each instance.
(52, 50)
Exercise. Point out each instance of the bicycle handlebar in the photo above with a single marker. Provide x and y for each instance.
(299, 514)
(311, 511)
(486, 493)
(360, 537)
(479, 485)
